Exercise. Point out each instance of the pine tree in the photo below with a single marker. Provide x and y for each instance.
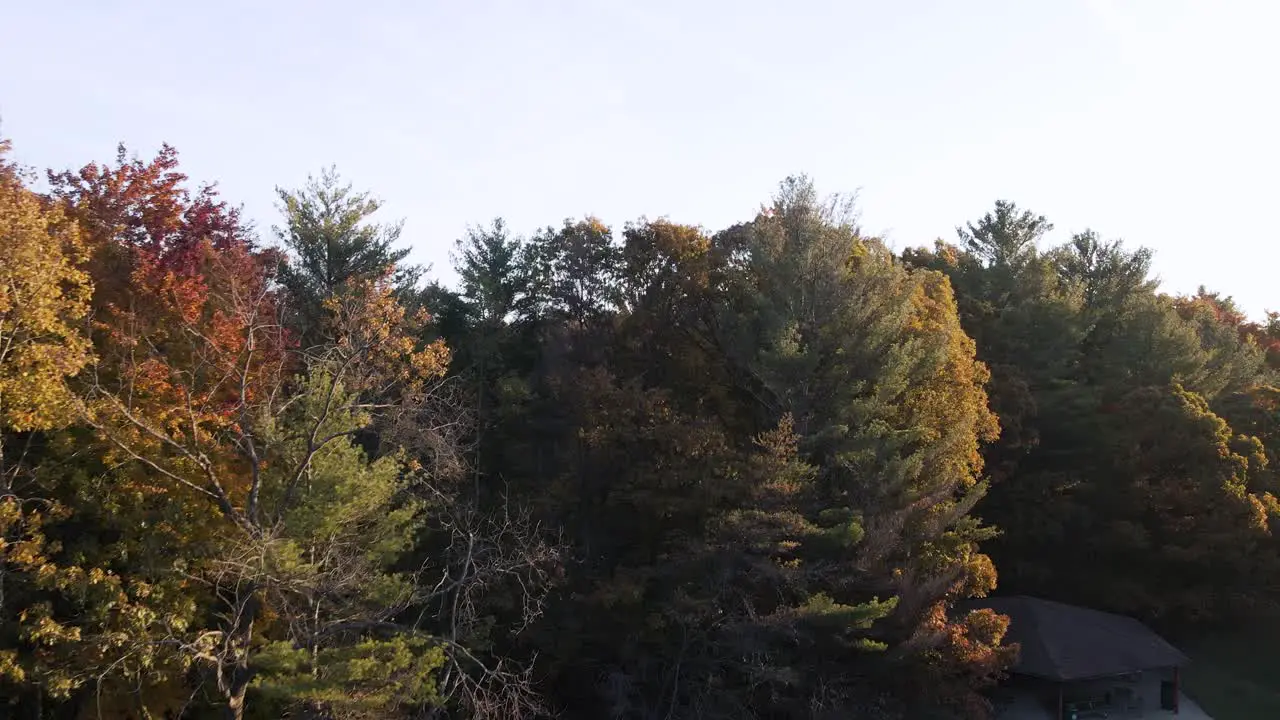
(332, 241)
(772, 462)
(888, 406)
(1088, 359)
(487, 261)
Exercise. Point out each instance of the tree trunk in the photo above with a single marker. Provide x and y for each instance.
(236, 691)
(234, 682)
(235, 705)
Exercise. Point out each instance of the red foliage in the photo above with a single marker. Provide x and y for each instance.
(1224, 311)
(186, 316)
(146, 208)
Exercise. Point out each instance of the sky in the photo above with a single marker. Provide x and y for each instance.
(1151, 121)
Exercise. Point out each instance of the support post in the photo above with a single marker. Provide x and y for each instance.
(1061, 716)
(1177, 693)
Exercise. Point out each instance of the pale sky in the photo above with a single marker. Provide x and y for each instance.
(1154, 121)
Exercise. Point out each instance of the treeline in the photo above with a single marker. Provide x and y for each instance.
(1135, 470)
(637, 472)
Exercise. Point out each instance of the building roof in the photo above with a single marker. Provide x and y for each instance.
(1067, 642)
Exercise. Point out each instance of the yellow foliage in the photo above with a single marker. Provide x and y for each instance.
(954, 401)
(43, 297)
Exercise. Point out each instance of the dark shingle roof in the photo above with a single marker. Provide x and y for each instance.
(1066, 642)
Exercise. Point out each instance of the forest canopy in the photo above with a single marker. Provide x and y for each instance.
(637, 471)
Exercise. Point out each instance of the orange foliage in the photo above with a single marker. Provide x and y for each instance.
(968, 656)
(186, 324)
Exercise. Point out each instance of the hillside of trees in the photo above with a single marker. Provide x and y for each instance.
(648, 471)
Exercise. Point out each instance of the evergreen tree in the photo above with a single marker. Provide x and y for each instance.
(888, 405)
(771, 461)
(332, 241)
(487, 261)
(752, 473)
(1004, 237)
(1088, 358)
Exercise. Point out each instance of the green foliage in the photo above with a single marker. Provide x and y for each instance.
(51, 600)
(571, 273)
(1117, 485)
(207, 498)
(1004, 238)
(487, 261)
(761, 468)
(368, 679)
(332, 241)
(763, 444)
